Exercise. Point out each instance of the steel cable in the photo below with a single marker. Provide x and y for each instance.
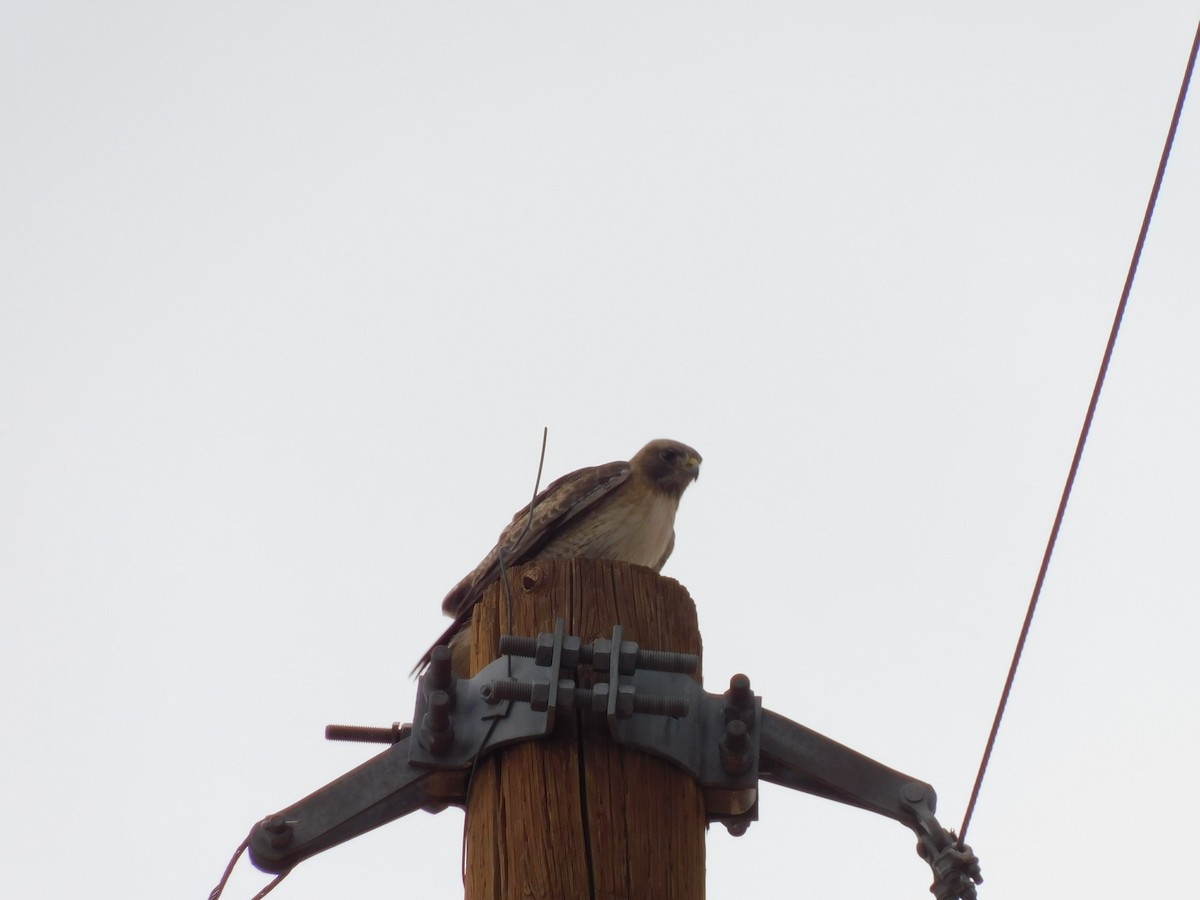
(1083, 435)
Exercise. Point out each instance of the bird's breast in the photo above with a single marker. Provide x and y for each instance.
(636, 528)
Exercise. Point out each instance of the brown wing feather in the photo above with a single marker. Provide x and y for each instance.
(561, 501)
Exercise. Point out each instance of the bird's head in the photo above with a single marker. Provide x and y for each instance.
(670, 465)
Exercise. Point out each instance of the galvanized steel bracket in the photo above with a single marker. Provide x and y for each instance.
(649, 701)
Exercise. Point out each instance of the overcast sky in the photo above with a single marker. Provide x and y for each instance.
(289, 290)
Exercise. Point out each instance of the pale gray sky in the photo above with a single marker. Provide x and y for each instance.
(289, 291)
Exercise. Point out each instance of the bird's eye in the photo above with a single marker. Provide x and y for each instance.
(668, 455)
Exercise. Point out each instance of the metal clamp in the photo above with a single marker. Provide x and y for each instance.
(649, 701)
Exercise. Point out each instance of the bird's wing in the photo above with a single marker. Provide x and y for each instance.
(535, 525)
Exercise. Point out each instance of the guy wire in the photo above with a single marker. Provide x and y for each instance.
(1083, 434)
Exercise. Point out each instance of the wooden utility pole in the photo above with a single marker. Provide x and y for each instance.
(574, 816)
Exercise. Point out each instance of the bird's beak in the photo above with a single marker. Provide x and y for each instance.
(693, 467)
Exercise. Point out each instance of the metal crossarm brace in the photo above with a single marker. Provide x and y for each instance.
(426, 769)
(649, 700)
(799, 758)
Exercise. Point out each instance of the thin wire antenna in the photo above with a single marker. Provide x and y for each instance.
(501, 550)
(1083, 435)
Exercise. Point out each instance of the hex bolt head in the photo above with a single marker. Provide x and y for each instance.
(626, 698)
(627, 657)
(600, 697)
(567, 694)
(570, 652)
(545, 649)
(279, 829)
(601, 654)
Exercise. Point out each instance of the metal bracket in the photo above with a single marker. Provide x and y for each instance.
(955, 867)
(649, 701)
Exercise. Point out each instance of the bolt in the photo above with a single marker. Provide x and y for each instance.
(541, 649)
(597, 697)
(437, 735)
(545, 649)
(739, 700)
(667, 661)
(570, 652)
(631, 657)
(279, 829)
(439, 710)
(675, 707)
(506, 689)
(599, 654)
(626, 701)
(515, 645)
(735, 755)
(367, 734)
(627, 657)
(567, 694)
(739, 692)
(735, 735)
(439, 676)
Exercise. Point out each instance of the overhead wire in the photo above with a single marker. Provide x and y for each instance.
(217, 891)
(1083, 436)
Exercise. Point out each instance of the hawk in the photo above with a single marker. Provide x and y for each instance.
(623, 511)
